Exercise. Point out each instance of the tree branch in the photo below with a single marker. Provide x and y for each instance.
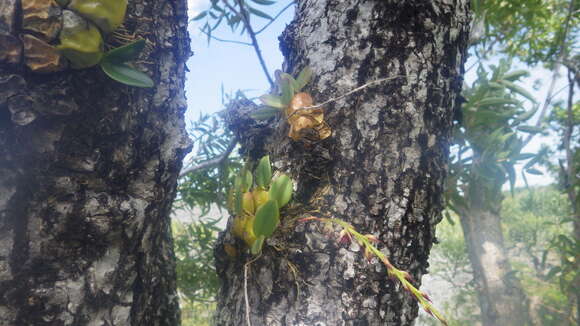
(213, 162)
(556, 74)
(246, 21)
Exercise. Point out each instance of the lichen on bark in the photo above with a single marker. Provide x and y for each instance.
(88, 170)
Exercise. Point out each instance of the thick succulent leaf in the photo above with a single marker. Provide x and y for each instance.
(258, 244)
(518, 90)
(264, 172)
(126, 74)
(497, 101)
(303, 78)
(125, 53)
(267, 219)
(516, 74)
(264, 113)
(272, 100)
(287, 89)
(281, 190)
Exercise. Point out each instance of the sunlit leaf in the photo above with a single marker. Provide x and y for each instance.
(281, 190)
(264, 172)
(264, 113)
(516, 74)
(518, 90)
(272, 100)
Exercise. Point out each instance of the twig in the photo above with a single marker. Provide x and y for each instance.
(334, 99)
(246, 21)
(556, 74)
(246, 266)
(209, 163)
(275, 17)
(225, 41)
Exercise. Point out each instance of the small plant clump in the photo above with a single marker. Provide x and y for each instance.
(256, 207)
(306, 122)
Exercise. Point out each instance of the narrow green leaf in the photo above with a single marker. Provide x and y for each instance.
(272, 100)
(526, 114)
(264, 2)
(125, 53)
(237, 194)
(281, 190)
(303, 78)
(259, 13)
(264, 113)
(497, 101)
(524, 156)
(534, 171)
(514, 75)
(264, 172)
(518, 90)
(126, 74)
(247, 180)
(530, 129)
(267, 219)
(200, 15)
(258, 244)
(287, 89)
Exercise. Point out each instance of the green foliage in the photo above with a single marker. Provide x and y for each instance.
(257, 209)
(487, 145)
(533, 219)
(206, 187)
(193, 245)
(264, 172)
(288, 87)
(232, 15)
(531, 30)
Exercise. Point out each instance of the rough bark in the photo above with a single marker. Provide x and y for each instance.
(501, 298)
(86, 186)
(382, 169)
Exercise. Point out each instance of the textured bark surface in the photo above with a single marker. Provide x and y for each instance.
(382, 169)
(501, 298)
(88, 170)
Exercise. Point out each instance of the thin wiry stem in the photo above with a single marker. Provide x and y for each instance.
(223, 40)
(213, 162)
(275, 17)
(246, 299)
(360, 88)
(556, 74)
(246, 20)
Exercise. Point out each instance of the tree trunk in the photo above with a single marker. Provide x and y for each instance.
(381, 170)
(501, 298)
(88, 170)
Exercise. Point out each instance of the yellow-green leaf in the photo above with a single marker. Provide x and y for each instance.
(281, 190)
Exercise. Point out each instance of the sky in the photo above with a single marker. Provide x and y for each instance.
(235, 66)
